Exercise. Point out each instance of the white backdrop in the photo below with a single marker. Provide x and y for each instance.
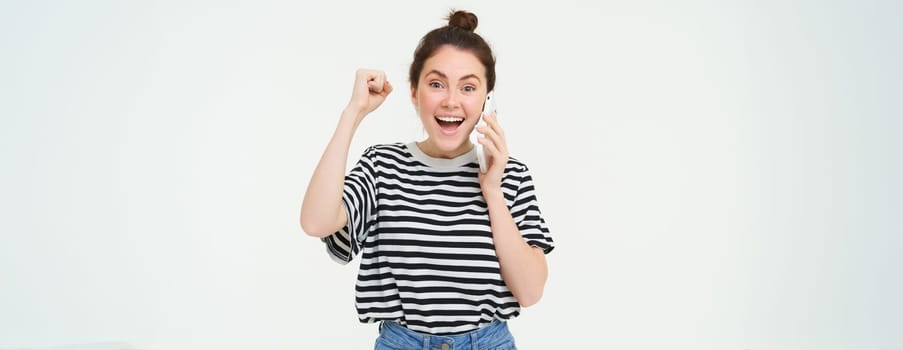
(716, 174)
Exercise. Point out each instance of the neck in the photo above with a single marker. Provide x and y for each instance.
(431, 150)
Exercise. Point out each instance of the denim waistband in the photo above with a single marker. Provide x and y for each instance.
(492, 335)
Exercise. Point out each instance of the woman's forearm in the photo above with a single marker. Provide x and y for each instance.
(321, 211)
(523, 267)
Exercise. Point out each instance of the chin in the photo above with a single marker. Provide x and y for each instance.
(459, 141)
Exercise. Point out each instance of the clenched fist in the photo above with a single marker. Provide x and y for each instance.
(370, 90)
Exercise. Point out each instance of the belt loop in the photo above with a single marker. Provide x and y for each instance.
(426, 342)
(474, 340)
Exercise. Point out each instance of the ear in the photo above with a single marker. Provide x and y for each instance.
(414, 96)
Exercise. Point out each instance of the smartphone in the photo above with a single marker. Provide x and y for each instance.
(489, 106)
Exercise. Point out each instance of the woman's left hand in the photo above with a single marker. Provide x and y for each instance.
(496, 149)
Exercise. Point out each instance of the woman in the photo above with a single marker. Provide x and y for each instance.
(449, 253)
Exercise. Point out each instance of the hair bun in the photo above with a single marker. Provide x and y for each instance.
(463, 19)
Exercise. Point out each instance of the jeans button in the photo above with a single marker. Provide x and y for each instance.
(444, 346)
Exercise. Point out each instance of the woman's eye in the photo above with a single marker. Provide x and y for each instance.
(470, 88)
(436, 85)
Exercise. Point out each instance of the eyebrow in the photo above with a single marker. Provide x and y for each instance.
(443, 76)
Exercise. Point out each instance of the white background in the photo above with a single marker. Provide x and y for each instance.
(716, 174)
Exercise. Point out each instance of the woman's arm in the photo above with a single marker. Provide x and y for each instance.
(523, 267)
(322, 213)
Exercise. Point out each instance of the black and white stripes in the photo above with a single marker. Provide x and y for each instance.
(421, 224)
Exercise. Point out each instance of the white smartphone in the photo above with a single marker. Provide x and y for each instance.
(489, 106)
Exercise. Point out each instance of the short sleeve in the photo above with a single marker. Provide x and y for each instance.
(359, 200)
(526, 214)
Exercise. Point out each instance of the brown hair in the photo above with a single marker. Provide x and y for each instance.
(458, 33)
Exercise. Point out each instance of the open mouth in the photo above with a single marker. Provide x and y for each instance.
(449, 125)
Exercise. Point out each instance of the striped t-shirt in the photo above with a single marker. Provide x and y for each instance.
(428, 259)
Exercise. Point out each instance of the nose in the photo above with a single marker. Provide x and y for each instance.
(451, 100)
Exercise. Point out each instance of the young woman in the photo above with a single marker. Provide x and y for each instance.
(449, 253)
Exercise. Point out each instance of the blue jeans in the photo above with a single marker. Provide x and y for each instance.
(495, 336)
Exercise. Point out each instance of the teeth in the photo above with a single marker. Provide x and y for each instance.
(450, 119)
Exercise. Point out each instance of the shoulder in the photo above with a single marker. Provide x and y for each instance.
(517, 173)
(395, 156)
(516, 166)
(386, 149)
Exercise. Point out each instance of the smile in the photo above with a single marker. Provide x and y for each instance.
(449, 124)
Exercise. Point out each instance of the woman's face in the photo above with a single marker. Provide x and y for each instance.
(449, 99)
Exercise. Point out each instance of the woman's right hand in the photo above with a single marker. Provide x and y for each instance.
(370, 90)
